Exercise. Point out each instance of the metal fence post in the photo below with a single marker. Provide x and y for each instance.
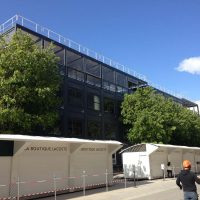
(125, 181)
(163, 174)
(83, 183)
(18, 189)
(174, 171)
(134, 179)
(106, 180)
(55, 188)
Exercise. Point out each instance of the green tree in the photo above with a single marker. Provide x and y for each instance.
(187, 128)
(29, 85)
(149, 116)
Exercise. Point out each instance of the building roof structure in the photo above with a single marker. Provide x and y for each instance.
(142, 80)
(28, 138)
(142, 147)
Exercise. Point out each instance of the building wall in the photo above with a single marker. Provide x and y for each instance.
(137, 162)
(156, 159)
(5, 168)
(175, 158)
(154, 156)
(36, 164)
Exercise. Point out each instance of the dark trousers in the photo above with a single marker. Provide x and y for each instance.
(169, 173)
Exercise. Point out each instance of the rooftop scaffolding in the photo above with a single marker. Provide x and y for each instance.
(18, 19)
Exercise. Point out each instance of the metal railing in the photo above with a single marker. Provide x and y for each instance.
(17, 19)
(55, 185)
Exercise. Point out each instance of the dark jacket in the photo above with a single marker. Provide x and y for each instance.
(187, 179)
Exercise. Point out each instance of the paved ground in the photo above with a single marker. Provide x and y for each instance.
(145, 190)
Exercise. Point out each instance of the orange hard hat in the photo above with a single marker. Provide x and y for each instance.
(186, 164)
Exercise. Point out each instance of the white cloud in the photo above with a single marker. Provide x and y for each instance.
(191, 65)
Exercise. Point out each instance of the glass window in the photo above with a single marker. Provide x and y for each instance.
(72, 73)
(110, 130)
(118, 108)
(121, 89)
(61, 55)
(109, 105)
(75, 127)
(93, 102)
(93, 80)
(92, 68)
(62, 69)
(71, 56)
(132, 85)
(121, 79)
(75, 97)
(76, 64)
(109, 86)
(94, 129)
(108, 74)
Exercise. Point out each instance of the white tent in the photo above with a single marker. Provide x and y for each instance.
(146, 160)
(38, 159)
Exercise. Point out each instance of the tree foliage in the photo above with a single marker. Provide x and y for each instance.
(29, 84)
(151, 117)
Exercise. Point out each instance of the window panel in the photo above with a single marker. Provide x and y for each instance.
(108, 74)
(93, 102)
(109, 105)
(62, 70)
(75, 127)
(93, 81)
(61, 55)
(92, 68)
(109, 86)
(71, 56)
(76, 64)
(121, 79)
(121, 89)
(72, 73)
(94, 129)
(118, 108)
(110, 130)
(75, 97)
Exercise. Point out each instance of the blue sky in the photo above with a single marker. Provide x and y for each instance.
(157, 38)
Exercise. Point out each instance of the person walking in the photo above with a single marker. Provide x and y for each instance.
(186, 180)
(169, 170)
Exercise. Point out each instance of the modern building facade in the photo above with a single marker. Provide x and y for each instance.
(93, 86)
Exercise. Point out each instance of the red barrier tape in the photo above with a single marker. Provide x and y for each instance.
(64, 190)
